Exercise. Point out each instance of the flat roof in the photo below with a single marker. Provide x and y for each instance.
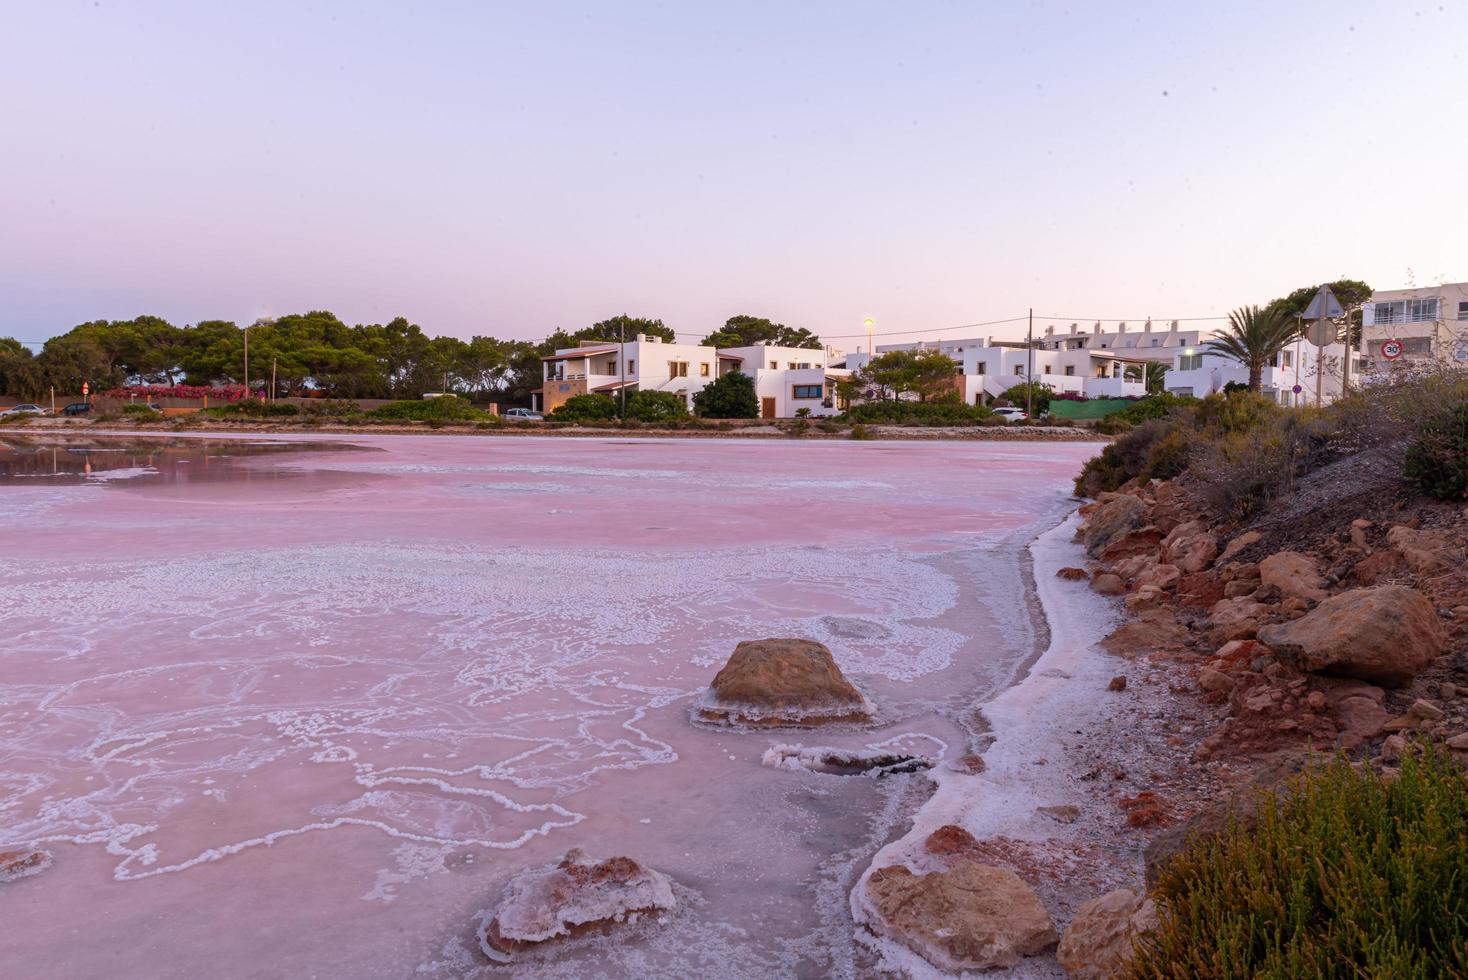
(582, 352)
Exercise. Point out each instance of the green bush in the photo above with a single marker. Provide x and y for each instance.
(586, 408)
(1033, 394)
(252, 408)
(859, 431)
(334, 408)
(655, 406)
(1236, 412)
(1158, 406)
(729, 396)
(896, 412)
(1152, 450)
(446, 408)
(1437, 458)
(1346, 874)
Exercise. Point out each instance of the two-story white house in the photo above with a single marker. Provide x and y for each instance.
(1406, 328)
(786, 379)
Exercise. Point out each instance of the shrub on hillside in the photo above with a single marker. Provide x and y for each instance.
(447, 408)
(1437, 459)
(586, 408)
(334, 408)
(1348, 873)
(1154, 450)
(895, 412)
(1239, 411)
(1240, 472)
(1158, 406)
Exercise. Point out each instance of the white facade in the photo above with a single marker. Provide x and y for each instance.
(1200, 373)
(786, 378)
(1427, 326)
(1146, 341)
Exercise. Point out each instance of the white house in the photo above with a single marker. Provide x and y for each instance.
(1403, 328)
(1148, 342)
(786, 378)
(1290, 378)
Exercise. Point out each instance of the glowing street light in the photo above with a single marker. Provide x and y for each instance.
(869, 323)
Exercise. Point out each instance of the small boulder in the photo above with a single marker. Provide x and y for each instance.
(1117, 683)
(1293, 574)
(575, 896)
(1421, 551)
(1162, 576)
(1237, 544)
(1142, 542)
(1112, 520)
(1071, 574)
(1063, 813)
(22, 862)
(1385, 635)
(1235, 619)
(1097, 944)
(1211, 680)
(970, 917)
(782, 682)
(1193, 553)
(1108, 584)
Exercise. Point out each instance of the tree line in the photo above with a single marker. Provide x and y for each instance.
(317, 352)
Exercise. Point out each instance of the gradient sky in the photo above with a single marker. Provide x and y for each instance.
(511, 168)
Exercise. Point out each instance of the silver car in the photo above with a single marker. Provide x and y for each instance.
(524, 414)
(27, 409)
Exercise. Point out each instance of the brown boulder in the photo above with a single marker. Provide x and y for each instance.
(1237, 544)
(1112, 520)
(1097, 944)
(575, 896)
(1194, 552)
(782, 682)
(1422, 551)
(1072, 574)
(970, 917)
(1108, 584)
(1385, 635)
(1162, 576)
(1293, 574)
(1143, 541)
(1235, 619)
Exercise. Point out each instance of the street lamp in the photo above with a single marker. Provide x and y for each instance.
(869, 323)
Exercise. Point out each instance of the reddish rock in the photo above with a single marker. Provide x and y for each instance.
(1237, 544)
(1143, 541)
(1211, 680)
(1072, 574)
(1235, 619)
(970, 917)
(1424, 552)
(1108, 584)
(782, 682)
(950, 839)
(1385, 635)
(1146, 809)
(1162, 576)
(1193, 553)
(1117, 683)
(1293, 574)
(1099, 941)
(1116, 517)
(1375, 568)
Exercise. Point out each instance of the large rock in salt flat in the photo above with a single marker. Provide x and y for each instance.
(1097, 944)
(575, 896)
(1386, 635)
(783, 682)
(22, 862)
(971, 917)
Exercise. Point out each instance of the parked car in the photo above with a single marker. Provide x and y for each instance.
(1011, 414)
(523, 414)
(26, 409)
(76, 408)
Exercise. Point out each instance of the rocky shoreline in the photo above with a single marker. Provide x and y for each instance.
(1239, 655)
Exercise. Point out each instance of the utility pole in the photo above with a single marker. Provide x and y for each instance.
(272, 379)
(622, 356)
(1030, 367)
(247, 362)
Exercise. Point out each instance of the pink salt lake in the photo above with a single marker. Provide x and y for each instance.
(303, 712)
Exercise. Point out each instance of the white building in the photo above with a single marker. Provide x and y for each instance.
(1290, 378)
(1148, 342)
(1403, 328)
(786, 378)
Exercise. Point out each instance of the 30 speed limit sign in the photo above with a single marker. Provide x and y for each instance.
(1391, 350)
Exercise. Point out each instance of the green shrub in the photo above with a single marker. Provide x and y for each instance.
(1158, 406)
(655, 406)
(446, 408)
(1236, 412)
(141, 414)
(729, 396)
(895, 412)
(586, 408)
(1153, 450)
(1437, 459)
(859, 431)
(1034, 396)
(331, 408)
(1347, 874)
(252, 408)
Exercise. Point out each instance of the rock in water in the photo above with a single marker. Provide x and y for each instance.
(22, 862)
(1385, 635)
(971, 917)
(782, 682)
(576, 895)
(1098, 942)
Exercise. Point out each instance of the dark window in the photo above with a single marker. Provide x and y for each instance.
(807, 391)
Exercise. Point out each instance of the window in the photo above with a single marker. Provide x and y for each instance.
(807, 391)
(1407, 311)
(1462, 310)
(1019, 369)
(805, 366)
(1416, 345)
(611, 367)
(677, 369)
(631, 367)
(703, 370)
(1070, 371)
(774, 365)
(792, 365)
(979, 368)
(1189, 362)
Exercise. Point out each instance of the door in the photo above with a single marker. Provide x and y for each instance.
(767, 408)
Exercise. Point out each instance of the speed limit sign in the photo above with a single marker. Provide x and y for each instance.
(1391, 350)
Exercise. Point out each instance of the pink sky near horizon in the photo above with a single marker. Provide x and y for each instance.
(509, 169)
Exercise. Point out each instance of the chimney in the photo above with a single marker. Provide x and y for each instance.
(1097, 328)
(642, 338)
(1147, 327)
(1073, 328)
(1050, 330)
(1121, 327)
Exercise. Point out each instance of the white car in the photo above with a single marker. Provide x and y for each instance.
(26, 409)
(1011, 414)
(524, 414)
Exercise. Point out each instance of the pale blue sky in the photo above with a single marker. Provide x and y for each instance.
(510, 168)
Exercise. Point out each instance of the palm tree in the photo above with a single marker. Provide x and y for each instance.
(1254, 336)
(1155, 374)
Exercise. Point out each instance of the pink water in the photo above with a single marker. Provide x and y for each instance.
(304, 713)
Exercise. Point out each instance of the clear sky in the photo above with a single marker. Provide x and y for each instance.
(511, 168)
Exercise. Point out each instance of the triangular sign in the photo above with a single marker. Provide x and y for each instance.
(1324, 305)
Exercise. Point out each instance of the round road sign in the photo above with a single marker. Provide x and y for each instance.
(1297, 389)
(1391, 350)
